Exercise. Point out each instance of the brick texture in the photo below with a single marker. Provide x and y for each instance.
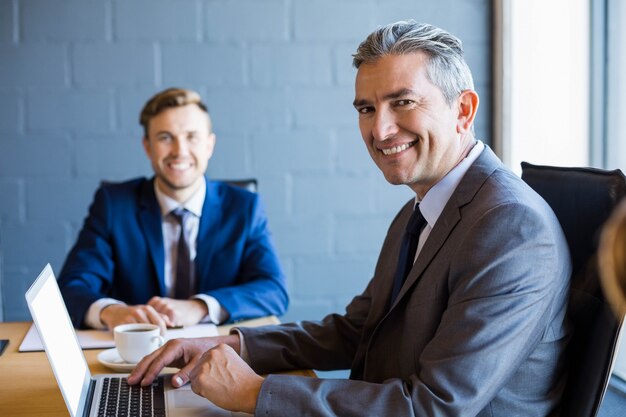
(69, 110)
(332, 21)
(278, 79)
(67, 21)
(246, 20)
(7, 23)
(32, 66)
(294, 64)
(10, 116)
(185, 64)
(125, 65)
(164, 20)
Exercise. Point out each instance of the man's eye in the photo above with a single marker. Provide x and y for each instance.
(164, 138)
(364, 110)
(405, 102)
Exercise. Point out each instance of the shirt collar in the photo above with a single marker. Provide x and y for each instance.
(193, 204)
(437, 197)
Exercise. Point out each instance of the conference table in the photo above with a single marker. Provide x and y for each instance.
(28, 386)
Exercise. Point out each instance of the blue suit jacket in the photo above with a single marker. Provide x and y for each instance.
(120, 252)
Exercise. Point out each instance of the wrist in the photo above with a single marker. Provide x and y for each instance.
(233, 341)
(201, 308)
(253, 395)
(107, 313)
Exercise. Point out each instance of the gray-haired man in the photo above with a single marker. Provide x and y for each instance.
(465, 313)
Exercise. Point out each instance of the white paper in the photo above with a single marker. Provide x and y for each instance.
(103, 339)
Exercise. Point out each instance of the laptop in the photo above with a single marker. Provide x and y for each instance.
(85, 395)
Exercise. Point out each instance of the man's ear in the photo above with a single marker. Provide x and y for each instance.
(468, 106)
(211, 144)
(146, 146)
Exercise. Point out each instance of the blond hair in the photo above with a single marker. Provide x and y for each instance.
(612, 259)
(171, 97)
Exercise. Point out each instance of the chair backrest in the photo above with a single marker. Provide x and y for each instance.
(249, 184)
(583, 199)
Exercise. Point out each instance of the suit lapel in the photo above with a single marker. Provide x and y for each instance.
(150, 220)
(208, 231)
(473, 179)
(444, 226)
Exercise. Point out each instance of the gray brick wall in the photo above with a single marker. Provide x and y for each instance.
(277, 77)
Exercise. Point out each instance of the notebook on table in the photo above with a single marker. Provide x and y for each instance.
(101, 395)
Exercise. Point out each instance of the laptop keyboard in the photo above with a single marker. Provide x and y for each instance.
(122, 400)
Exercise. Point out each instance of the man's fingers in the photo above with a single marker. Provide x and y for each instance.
(156, 303)
(155, 317)
(150, 367)
(181, 377)
(138, 314)
(179, 353)
(139, 372)
(168, 321)
(165, 356)
(154, 300)
(165, 307)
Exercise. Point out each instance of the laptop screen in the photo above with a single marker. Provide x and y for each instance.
(55, 329)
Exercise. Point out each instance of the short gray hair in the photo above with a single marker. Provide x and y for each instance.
(446, 67)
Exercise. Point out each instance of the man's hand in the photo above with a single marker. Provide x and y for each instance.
(222, 377)
(178, 353)
(116, 314)
(180, 312)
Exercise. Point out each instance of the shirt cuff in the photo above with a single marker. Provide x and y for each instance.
(92, 319)
(243, 351)
(217, 314)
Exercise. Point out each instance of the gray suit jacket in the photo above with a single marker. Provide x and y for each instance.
(478, 328)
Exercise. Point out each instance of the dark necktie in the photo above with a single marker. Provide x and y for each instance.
(407, 250)
(182, 285)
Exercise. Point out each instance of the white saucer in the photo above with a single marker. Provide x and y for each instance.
(111, 359)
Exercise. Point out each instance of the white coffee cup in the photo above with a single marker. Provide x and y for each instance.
(134, 341)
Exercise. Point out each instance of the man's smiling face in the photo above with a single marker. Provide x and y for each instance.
(410, 131)
(179, 146)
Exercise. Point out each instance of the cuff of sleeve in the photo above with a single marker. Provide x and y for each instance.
(92, 319)
(217, 314)
(279, 398)
(243, 351)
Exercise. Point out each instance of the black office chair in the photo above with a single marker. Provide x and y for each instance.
(249, 184)
(583, 199)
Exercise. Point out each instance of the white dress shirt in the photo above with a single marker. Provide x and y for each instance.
(437, 197)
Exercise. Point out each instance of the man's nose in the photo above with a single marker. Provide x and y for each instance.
(180, 146)
(384, 126)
